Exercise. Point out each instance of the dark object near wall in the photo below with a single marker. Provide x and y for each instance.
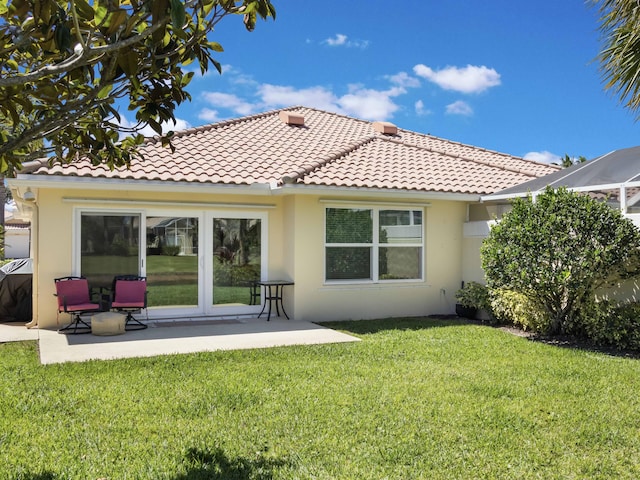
(466, 312)
(16, 291)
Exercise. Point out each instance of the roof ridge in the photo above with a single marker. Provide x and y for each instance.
(481, 162)
(451, 142)
(220, 124)
(310, 167)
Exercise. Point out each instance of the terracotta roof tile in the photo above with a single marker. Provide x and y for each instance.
(328, 150)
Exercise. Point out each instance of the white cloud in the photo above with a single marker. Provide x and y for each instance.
(420, 109)
(370, 104)
(470, 79)
(338, 40)
(284, 96)
(403, 79)
(459, 108)
(167, 127)
(147, 131)
(231, 102)
(544, 157)
(341, 40)
(364, 103)
(208, 115)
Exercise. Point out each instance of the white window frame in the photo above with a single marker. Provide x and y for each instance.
(205, 255)
(375, 244)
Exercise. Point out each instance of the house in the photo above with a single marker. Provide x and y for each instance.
(17, 237)
(613, 178)
(365, 218)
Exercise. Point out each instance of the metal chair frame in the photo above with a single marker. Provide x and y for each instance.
(75, 305)
(131, 323)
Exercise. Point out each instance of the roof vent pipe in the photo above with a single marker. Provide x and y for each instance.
(291, 118)
(386, 128)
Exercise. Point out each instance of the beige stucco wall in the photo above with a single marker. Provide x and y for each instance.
(295, 251)
(53, 251)
(317, 300)
(471, 264)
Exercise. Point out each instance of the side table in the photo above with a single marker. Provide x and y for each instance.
(273, 293)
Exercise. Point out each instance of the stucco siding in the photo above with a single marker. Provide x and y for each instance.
(472, 265)
(295, 250)
(318, 300)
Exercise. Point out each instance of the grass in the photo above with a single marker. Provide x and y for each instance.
(417, 398)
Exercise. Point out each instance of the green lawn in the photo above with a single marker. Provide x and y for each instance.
(416, 399)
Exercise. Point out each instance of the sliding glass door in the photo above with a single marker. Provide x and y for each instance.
(109, 246)
(172, 261)
(196, 263)
(236, 259)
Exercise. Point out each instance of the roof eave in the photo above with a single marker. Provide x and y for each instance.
(80, 183)
(375, 192)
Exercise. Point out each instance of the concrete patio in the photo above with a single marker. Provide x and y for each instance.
(173, 338)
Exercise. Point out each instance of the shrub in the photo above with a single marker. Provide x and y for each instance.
(515, 308)
(171, 250)
(607, 324)
(473, 295)
(558, 250)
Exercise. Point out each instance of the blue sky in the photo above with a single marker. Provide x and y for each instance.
(518, 77)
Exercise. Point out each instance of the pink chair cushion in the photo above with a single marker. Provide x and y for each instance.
(75, 293)
(129, 294)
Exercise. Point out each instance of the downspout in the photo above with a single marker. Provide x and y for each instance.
(34, 239)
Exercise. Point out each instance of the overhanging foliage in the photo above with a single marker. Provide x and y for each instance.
(65, 64)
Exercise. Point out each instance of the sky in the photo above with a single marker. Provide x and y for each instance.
(514, 76)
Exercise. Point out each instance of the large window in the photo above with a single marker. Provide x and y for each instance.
(373, 244)
(109, 245)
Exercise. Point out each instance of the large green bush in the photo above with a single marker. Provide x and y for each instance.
(515, 308)
(606, 323)
(558, 250)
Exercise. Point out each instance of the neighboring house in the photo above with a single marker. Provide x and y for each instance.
(613, 178)
(365, 218)
(17, 236)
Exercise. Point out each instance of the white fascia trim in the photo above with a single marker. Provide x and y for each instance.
(588, 188)
(163, 203)
(508, 196)
(374, 193)
(78, 183)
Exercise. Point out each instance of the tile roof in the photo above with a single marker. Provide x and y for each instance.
(328, 150)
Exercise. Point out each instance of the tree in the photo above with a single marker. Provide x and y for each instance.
(65, 65)
(620, 55)
(558, 250)
(567, 161)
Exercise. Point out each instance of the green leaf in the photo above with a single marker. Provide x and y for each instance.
(178, 16)
(115, 20)
(85, 10)
(100, 14)
(105, 91)
(215, 46)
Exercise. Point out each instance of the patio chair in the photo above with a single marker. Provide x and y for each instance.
(74, 298)
(130, 296)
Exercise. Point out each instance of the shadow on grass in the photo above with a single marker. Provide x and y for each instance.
(402, 323)
(574, 343)
(216, 464)
(39, 476)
